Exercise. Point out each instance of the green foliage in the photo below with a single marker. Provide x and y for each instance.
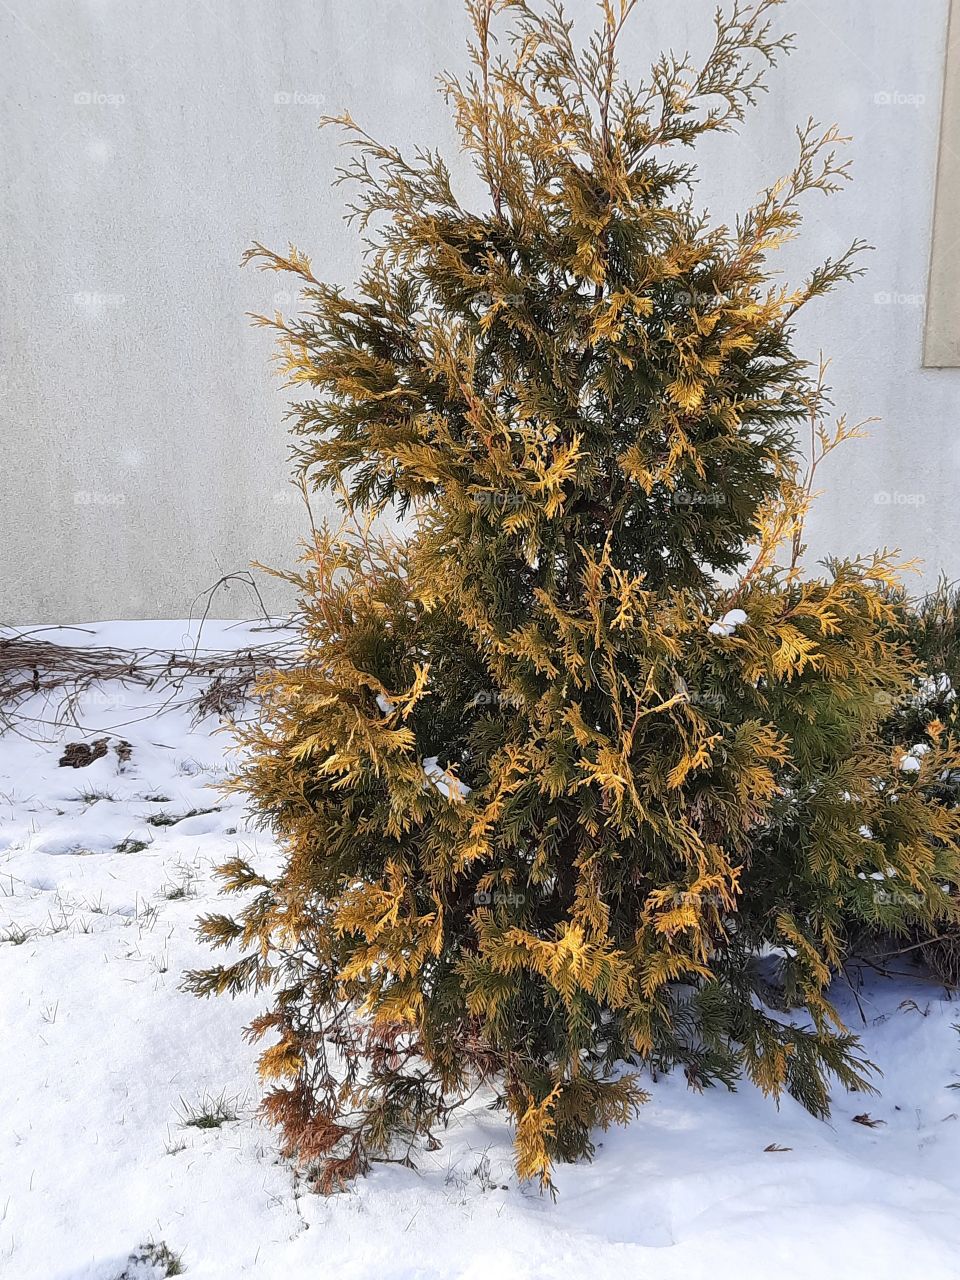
(932, 630)
(575, 779)
(154, 1259)
(208, 1113)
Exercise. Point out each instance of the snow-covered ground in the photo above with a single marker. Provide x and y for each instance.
(104, 1062)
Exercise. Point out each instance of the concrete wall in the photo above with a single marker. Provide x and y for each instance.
(145, 145)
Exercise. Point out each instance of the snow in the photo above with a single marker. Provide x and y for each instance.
(728, 623)
(104, 1057)
(933, 688)
(445, 782)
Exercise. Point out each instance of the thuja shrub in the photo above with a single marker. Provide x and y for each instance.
(930, 626)
(930, 712)
(572, 782)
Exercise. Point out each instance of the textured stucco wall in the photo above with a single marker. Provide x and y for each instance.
(145, 145)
